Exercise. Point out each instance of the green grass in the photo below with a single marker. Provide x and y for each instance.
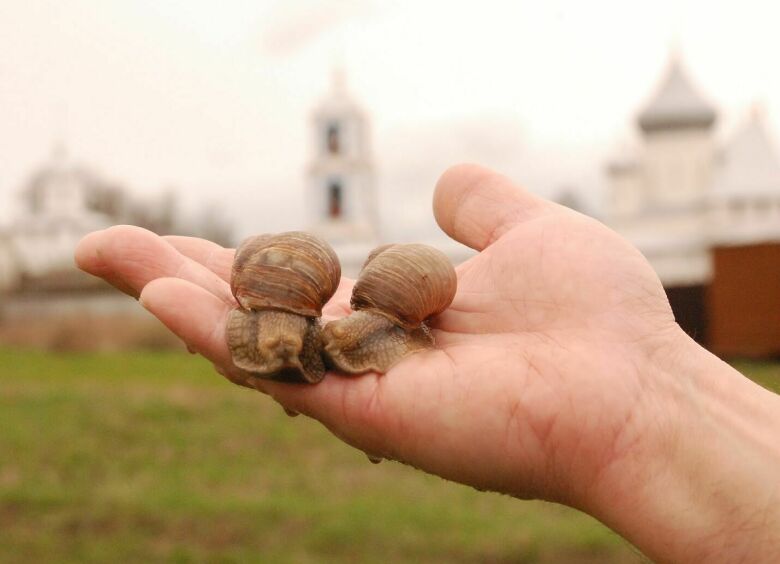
(149, 457)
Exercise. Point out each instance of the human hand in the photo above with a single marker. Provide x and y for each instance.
(551, 364)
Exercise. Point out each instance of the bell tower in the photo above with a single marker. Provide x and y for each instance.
(341, 196)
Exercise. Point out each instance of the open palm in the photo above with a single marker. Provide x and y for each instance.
(537, 383)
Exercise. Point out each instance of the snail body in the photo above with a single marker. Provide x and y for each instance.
(400, 286)
(281, 283)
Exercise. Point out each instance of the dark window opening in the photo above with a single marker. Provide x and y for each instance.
(334, 140)
(334, 200)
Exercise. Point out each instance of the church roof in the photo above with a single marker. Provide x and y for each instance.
(750, 163)
(58, 170)
(60, 173)
(676, 104)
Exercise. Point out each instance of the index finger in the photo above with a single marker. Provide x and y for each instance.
(133, 257)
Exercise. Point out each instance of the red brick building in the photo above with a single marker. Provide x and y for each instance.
(743, 301)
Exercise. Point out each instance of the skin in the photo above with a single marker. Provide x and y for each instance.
(559, 374)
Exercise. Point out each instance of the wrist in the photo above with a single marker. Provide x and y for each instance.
(698, 476)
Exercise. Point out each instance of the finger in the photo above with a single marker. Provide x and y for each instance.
(475, 206)
(136, 256)
(88, 260)
(197, 317)
(216, 258)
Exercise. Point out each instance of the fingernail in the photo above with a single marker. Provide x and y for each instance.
(373, 459)
(290, 412)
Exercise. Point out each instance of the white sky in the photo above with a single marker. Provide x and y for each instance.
(212, 97)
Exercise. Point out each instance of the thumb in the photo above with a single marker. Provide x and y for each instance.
(475, 205)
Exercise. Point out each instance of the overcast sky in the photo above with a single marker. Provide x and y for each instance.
(212, 98)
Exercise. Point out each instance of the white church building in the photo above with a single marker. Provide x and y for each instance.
(342, 184)
(684, 197)
(341, 179)
(59, 205)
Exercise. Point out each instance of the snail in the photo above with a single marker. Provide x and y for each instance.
(281, 283)
(399, 287)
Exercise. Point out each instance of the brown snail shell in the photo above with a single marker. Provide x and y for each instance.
(281, 283)
(399, 287)
(293, 271)
(407, 283)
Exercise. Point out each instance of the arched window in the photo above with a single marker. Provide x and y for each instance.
(334, 199)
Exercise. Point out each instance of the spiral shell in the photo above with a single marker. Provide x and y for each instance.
(407, 283)
(294, 272)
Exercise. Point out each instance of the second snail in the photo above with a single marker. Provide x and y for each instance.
(290, 276)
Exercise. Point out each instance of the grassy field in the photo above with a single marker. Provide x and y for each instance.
(147, 457)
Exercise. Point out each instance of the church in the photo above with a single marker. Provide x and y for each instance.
(341, 182)
(45, 301)
(61, 202)
(706, 214)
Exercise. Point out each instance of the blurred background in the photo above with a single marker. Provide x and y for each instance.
(224, 119)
